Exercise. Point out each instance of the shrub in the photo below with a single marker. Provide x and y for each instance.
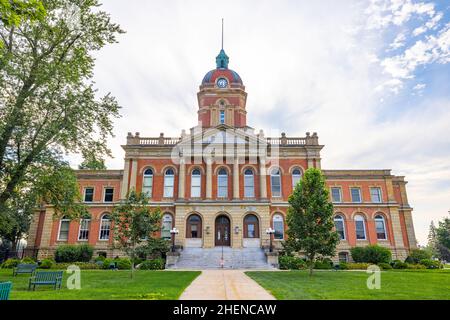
(46, 264)
(85, 253)
(123, 263)
(397, 264)
(81, 265)
(431, 264)
(357, 266)
(417, 255)
(107, 262)
(371, 254)
(343, 265)
(10, 263)
(155, 264)
(323, 264)
(291, 263)
(100, 258)
(385, 266)
(415, 266)
(74, 253)
(28, 260)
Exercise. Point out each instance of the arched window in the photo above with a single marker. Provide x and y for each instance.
(360, 227)
(340, 227)
(147, 184)
(278, 226)
(380, 227)
(275, 182)
(169, 179)
(85, 225)
(296, 177)
(166, 226)
(196, 183)
(64, 224)
(105, 227)
(251, 226)
(194, 227)
(249, 184)
(222, 184)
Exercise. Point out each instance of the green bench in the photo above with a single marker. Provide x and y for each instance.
(41, 278)
(24, 268)
(5, 289)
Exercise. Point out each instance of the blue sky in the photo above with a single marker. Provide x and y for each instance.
(370, 77)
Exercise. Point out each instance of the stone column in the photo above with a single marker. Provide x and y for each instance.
(236, 178)
(182, 179)
(124, 186)
(208, 178)
(133, 174)
(262, 178)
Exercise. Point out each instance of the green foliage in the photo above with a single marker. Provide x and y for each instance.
(107, 263)
(356, 266)
(46, 264)
(443, 239)
(291, 263)
(153, 248)
(28, 260)
(155, 264)
(371, 254)
(415, 266)
(100, 258)
(81, 265)
(92, 162)
(397, 264)
(14, 12)
(325, 263)
(310, 218)
(74, 253)
(10, 263)
(123, 263)
(431, 264)
(385, 266)
(343, 265)
(418, 254)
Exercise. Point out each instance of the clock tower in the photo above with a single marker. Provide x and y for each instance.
(222, 96)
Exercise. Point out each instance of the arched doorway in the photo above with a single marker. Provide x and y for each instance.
(222, 231)
(193, 231)
(251, 231)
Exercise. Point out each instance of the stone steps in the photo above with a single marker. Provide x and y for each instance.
(201, 258)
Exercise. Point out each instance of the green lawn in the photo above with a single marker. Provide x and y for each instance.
(107, 284)
(407, 284)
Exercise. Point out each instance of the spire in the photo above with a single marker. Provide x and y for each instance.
(222, 59)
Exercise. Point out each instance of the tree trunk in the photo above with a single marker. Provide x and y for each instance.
(132, 262)
(311, 264)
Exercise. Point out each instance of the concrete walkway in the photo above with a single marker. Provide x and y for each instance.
(225, 285)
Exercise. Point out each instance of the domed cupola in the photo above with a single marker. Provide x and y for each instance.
(221, 76)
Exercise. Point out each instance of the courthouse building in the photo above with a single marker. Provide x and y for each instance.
(223, 184)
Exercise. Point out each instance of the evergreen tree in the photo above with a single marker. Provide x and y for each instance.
(310, 219)
(432, 245)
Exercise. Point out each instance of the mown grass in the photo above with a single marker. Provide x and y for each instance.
(107, 285)
(350, 285)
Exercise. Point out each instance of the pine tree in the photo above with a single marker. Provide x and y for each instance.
(432, 245)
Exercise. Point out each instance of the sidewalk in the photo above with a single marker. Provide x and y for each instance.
(225, 285)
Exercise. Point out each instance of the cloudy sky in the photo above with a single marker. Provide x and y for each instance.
(372, 78)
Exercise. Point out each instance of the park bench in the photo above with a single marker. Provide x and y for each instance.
(5, 289)
(46, 278)
(24, 268)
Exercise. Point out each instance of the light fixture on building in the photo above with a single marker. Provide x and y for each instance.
(236, 230)
(270, 232)
(173, 232)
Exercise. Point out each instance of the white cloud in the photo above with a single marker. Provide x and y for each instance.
(307, 66)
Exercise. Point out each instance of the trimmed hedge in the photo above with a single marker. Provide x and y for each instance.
(74, 253)
(155, 264)
(10, 263)
(324, 264)
(417, 255)
(397, 264)
(431, 264)
(385, 266)
(371, 254)
(46, 264)
(291, 263)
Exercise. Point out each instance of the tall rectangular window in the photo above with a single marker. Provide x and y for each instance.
(356, 194)
(249, 184)
(222, 184)
(336, 194)
(88, 194)
(375, 194)
(196, 184)
(109, 194)
(64, 229)
(222, 116)
(83, 234)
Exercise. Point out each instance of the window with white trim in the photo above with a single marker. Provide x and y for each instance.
(336, 195)
(278, 226)
(166, 226)
(222, 116)
(64, 224)
(339, 224)
(88, 194)
(343, 256)
(296, 177)
(375, 194)
(222, 184)
(147, 184)
(109, 194)
(380, 227)
(360, 227)
(196, 183)
(356, 194)
(105, 227)
(83, 234)
(249, 184)
(275, 182)
(169, 180)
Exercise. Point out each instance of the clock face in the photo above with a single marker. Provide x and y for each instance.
(222, 83)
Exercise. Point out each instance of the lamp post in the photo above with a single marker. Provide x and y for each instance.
(173, 232)
(270, 232)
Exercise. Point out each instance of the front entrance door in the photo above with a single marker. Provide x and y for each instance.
(222, 231)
